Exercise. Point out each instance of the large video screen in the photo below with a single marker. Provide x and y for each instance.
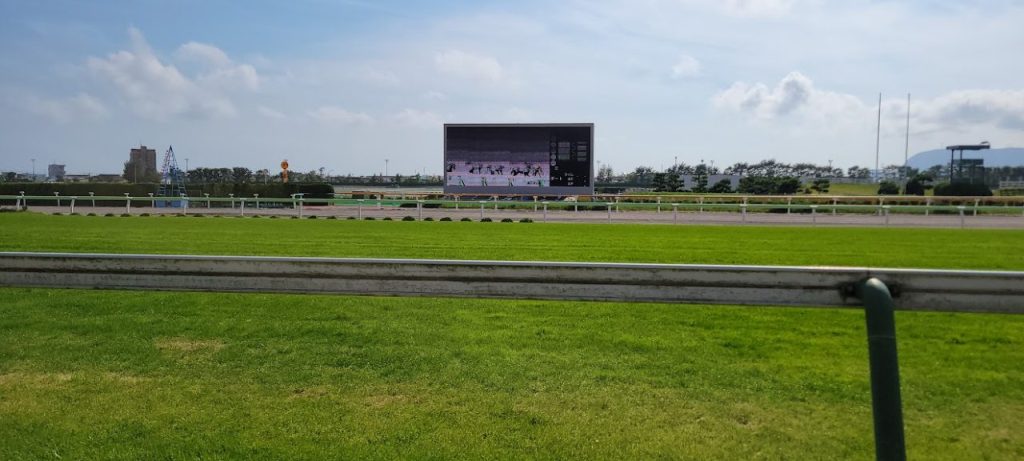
(531, 159)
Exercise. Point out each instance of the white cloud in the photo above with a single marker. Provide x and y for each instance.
(794, 94)
(435, 96)
(518, 114)
(154, 90)
(81, 107)
(419, 118)
(970, 108)
(469, 66)
(203, 54)
(338, 115)
(269, 113)
(380, 77)
(758, 7)
(219, 69)
(686, 67)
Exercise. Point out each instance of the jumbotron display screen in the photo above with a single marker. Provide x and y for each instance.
(531, 159)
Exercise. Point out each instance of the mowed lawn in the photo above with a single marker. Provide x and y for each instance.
(877, 247)
(140, 375)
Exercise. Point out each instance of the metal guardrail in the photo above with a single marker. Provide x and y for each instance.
(879, 291)
(913, 289)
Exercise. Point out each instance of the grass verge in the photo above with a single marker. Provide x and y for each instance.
(140, 375)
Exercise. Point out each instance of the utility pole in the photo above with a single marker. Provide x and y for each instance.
(33, 170)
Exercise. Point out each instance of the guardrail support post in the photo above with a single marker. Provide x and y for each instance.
(73, 204)
(976, 207)
(814, 214)
(927, 206)
(359, 208)
(482, 203)
(127, 203)
(789, 204)
(300, 206)
(835, 204)
(659, 204)
(545, 211)
(886, 403)
(701, 200)
(495, 203)
(241, 207)
(534, 203)
(743, 211)
(886, 211)
(961, 208)
(609, 206)
(419, 209)
(675, 212)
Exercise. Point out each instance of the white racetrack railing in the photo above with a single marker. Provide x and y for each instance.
(913, 289)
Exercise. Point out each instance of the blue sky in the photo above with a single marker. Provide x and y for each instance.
(345, 85)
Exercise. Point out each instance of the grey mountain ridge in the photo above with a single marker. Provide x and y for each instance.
(1007, 156)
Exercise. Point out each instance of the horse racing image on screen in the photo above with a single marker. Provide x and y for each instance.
(538, 159)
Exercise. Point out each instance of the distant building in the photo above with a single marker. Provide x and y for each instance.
(141, 165)
(55, 172)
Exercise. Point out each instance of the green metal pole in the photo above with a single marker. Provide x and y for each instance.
(886, 403)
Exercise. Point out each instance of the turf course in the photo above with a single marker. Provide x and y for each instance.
(140, 375)
(878, 247)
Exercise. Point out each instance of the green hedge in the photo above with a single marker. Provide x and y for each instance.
(276, 190)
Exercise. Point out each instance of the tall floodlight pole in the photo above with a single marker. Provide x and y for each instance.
(33, 169)
(385, 168)
(906, 145)
(878, 137)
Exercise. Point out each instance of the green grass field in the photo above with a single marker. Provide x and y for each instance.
(141, 375)
(879, 247)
